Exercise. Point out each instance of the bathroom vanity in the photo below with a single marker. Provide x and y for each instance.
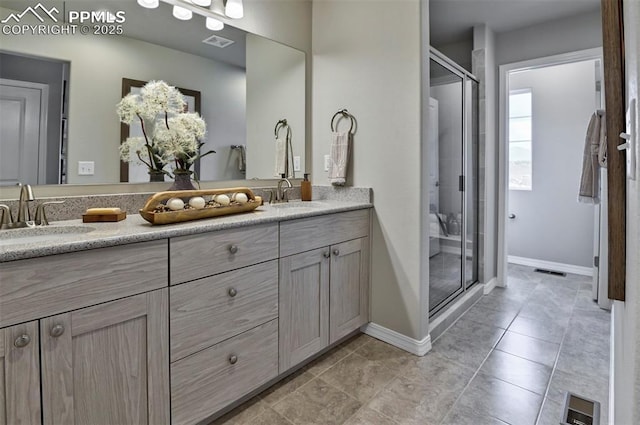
(132, 323)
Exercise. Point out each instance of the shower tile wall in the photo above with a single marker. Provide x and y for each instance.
(478, 69)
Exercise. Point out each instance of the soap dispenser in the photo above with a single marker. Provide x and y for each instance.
(305, 188)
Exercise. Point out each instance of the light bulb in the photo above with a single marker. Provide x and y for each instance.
(149, 4)
(182, 13)
(234, 9)
(214, 24)
(203, 3)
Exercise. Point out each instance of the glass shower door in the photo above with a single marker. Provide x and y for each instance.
(445, 145)
(471, 189)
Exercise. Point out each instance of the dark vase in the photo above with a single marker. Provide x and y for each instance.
(182, 181)
(156, 176)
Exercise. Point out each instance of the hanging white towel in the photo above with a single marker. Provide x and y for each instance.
(339, 158)
(281, 156)
(593, 157)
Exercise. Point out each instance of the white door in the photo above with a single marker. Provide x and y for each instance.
(23, 129)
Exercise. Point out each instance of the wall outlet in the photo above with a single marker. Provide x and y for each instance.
(327, 162)
(86, 168)
(296, 163)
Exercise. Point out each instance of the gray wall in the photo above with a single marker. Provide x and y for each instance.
(48, 72)
(550, 223)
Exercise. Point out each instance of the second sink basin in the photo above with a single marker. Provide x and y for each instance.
(39, 234)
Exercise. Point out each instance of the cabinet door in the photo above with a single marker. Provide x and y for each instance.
(19, 375)
(304, 306)
(107, 364)
(349, 290)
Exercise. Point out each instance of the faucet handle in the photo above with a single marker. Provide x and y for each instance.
(41, 213)
(6, 219)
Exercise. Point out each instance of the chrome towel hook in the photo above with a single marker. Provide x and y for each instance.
(344, 114)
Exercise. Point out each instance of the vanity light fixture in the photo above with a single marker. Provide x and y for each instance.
(213, 10)
(149, 4)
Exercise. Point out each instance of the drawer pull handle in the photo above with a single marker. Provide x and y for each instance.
(336, 252)
(57, 331)
(232, 292)
(22, 341)
(233, 249)
(327, 254)
(233, 359)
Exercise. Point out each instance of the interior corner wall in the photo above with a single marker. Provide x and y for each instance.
(625, 344)
(358, 67)
(485, 69)
(459, 52)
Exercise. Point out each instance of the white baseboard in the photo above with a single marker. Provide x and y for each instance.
(550, 265)
(413, 346)
(488, 287)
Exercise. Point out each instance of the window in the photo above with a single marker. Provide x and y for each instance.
(520, 167)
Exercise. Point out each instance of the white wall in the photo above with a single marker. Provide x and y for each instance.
(358, 66)
(275, 91)
(625, 358)
(550, 223)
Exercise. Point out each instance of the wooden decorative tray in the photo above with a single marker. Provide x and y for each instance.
(155, 212)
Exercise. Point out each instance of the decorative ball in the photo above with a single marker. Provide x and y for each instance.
(175, 204)
(222, 200)
(197, 202)
(241, 198)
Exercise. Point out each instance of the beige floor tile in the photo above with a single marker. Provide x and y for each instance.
(359, 377)
(324, 362)
(366, 416)
(317, 403)
(388, 355)
(277, 392)
(268, 417)
(243, 413)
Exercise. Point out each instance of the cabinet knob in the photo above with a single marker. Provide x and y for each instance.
(327, 254)
(57, 331)
(22, 341)
(233, 359)
(336, 252)
(233, 249)
(232, 292)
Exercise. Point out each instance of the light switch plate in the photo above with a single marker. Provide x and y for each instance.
(296, 163)
(327, 162)
(631, 139)
(86, 168)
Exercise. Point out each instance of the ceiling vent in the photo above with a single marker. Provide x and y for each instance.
(216, 40)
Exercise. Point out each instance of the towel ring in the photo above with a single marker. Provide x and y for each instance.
(345, 114)
(280, 125)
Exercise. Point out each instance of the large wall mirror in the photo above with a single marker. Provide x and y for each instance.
(246, 86)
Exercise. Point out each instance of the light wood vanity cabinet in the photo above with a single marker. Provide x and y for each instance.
(323, 291)
(20, 375)
(102, 364)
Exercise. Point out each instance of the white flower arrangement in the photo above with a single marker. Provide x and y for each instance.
(169, 133)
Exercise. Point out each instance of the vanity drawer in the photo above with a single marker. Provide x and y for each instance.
(310, 233)
(210, 310)
(197, 256)
(207, 381)
(39, 287)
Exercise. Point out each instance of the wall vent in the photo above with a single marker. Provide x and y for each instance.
(216, 40)
(551, 272)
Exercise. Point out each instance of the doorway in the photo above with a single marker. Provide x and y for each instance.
(545, 107)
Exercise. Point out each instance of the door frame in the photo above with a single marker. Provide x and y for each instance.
(503, 131)
(44, 116)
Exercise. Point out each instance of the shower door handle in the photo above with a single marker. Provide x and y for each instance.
(461, 183)
(512, 216)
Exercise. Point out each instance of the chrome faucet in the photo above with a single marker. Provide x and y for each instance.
(24, 214)
(281, 194)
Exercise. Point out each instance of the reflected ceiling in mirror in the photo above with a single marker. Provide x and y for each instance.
(246, 88)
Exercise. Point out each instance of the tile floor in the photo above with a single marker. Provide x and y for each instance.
(508, 360)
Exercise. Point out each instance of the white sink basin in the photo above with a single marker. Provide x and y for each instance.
(39, 234)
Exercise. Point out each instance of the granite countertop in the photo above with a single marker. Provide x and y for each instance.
(74, 235)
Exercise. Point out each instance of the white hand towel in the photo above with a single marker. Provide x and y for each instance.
(339, 158)
(595, 143)
(281, 156)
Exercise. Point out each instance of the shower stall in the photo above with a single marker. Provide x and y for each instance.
(452, 144)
